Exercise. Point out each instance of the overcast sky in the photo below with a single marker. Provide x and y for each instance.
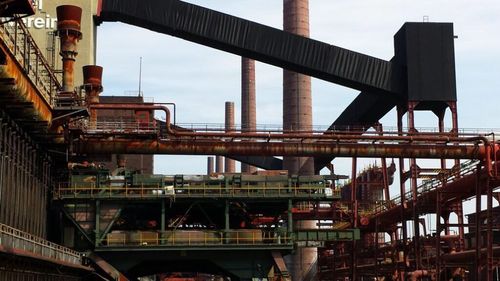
(200, 79)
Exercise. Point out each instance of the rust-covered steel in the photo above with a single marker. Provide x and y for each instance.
(68, 28)
(92, 79)
(339, 144)
(21, 89)
(218, 147)
(26, 77)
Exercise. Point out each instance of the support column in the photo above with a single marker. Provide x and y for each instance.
(163, 224)
(402, 190)
(438, 235)
(226, 222)
(414, 187)
(354, 201)
(97, 222)
(477, 260)
(489, 228)
(163, 214)
(226, 217)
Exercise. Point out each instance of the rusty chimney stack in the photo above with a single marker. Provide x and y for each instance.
(92, 83)
(210, 165)
(297, 116)
(219, 164)
(68, 28)
(248, 104)
(230, 166)
(297, 102)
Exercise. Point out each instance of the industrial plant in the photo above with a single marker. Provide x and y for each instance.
(80, 199)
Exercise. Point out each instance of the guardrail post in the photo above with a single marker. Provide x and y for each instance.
(97, 221)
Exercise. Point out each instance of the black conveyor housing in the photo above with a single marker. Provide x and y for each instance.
(253, 40)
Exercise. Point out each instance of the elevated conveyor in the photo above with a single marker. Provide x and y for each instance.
(256, 41)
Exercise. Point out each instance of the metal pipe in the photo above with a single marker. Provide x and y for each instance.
(244, 148)
(68, 28)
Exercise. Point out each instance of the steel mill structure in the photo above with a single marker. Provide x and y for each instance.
(70, 211)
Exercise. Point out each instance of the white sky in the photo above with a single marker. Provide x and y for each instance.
(200, 79)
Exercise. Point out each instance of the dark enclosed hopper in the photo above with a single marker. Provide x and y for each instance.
(256, 41)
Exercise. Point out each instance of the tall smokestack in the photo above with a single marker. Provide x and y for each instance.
(297, 103)
(68, 28)
(219, 164)
(210, 165)
(297, 116)
(229, 163)
(92, 83)
(248, 111)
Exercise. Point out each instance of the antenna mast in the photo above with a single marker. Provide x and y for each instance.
(140, 76)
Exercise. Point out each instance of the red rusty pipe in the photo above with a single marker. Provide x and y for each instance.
(68, 28)
(92, 79)
(202, 146)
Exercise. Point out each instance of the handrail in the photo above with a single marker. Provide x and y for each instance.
(114, 127)
(339, 128)
(197, 238)
(20, 43)
(278, 129)
(17, 239)
(465, 168)
(66, 190)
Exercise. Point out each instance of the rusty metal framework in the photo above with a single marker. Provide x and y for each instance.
(363, 231)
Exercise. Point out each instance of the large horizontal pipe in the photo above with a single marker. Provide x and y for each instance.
(248, 148)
